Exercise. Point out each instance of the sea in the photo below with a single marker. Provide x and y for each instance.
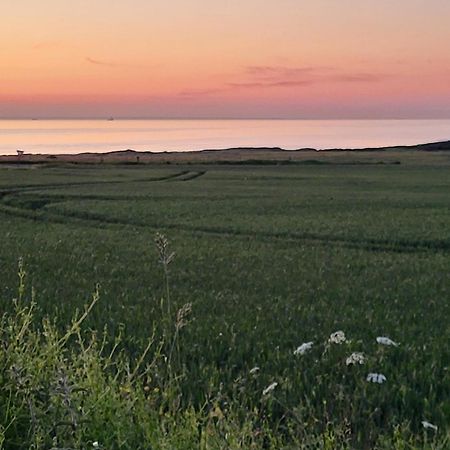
(79, 136)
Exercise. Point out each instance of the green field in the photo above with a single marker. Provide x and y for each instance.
(269, 257)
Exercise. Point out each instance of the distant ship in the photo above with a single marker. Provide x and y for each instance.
(111, 118)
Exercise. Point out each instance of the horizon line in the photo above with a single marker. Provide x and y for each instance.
(113, 118)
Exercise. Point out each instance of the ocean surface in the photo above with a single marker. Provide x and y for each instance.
(78, 136)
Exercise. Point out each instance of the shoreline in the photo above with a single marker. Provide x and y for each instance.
(236, 155)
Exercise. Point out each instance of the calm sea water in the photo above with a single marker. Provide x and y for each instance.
(76, 136)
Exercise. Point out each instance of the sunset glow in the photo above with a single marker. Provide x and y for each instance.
(252, 58)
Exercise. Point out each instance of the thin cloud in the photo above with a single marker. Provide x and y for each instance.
(114, 64)
(270, 84)
(283, 71)
(243, 85)
(279, 77)
(98, 62)
(200, 92)
(282, 76)
(359, 78)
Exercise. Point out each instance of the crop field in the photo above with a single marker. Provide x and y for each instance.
(267, 258)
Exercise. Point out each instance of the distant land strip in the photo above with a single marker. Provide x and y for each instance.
(236, 155)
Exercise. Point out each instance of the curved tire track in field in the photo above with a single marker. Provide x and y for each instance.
(40, 201)
(18, 190)
(191, 176)
(184, 175)
(33, 211)
(89, 219)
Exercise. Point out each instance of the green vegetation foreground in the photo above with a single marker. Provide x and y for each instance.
(260, 332)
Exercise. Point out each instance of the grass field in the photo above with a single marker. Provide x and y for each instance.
(269, 257)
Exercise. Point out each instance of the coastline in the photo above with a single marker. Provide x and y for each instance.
(236, 155)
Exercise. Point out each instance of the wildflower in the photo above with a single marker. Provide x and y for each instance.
(386, 341)
(302, 349)
(355, 358)
(428, 425)
(95, 444)
(337, 337)
(254, 371)
(270, 388)
(376, 378)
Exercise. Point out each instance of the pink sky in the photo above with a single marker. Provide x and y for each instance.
(247, 58)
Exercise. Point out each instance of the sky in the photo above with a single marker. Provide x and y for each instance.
(325, 59)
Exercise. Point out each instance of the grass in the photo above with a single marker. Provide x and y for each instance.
(267, 257)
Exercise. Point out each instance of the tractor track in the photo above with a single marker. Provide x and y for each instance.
(35, 211)
(97, 220)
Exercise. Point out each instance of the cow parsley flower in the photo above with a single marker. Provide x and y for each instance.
(386, 341)
(355, 358)
(337, 337)
(254, 371)
(302, 349)
(428, 425)
(270, 388)
(376, 378)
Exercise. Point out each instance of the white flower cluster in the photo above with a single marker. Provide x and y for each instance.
(376, 378)
(429, 426)
(386, 341)
(302, 349)
(338, 337)
(355, 358)
(270, 388)
(379, 377)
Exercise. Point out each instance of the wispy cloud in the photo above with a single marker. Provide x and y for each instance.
(359, 78)
(270, 84)
(114, 64)
(200, 92)
(286, 77)
(99, 62)
(282, 75)
(273, 77)
(283, 71)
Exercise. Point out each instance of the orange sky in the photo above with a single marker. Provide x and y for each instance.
(247, 58)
